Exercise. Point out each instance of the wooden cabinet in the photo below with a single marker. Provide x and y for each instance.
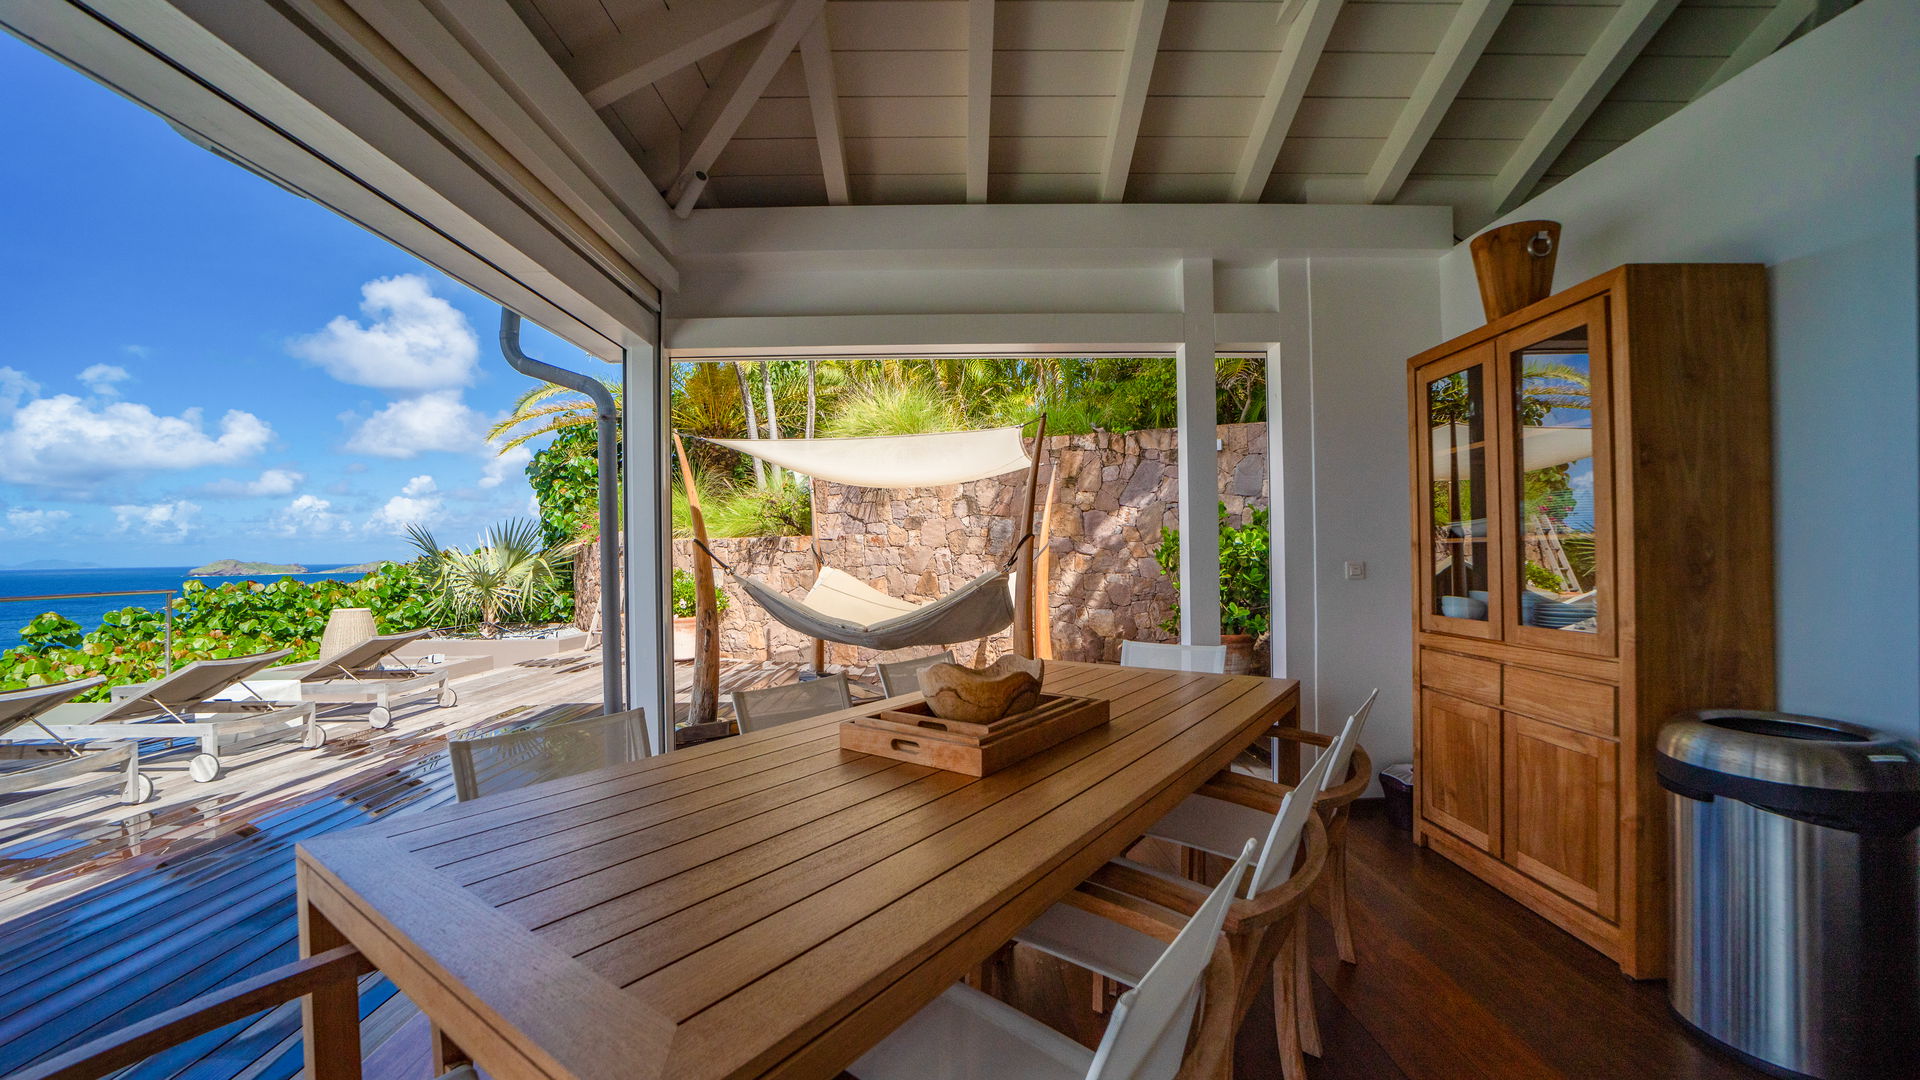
(1592, 553)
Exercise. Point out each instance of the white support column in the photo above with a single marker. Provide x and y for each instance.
(1291, 482)
(1198, 441)
(647, 537)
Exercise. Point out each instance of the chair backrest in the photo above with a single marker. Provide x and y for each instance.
(193, 684)
(1147, 1035)
(361, 655)
(903, 676)
(24, 706)
(1170, 657)
(760, 709)
(1342, 749)
(1277, 854)
(487, 764)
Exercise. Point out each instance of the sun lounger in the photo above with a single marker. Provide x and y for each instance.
(183, 705)
(357, 674)
(21, 710)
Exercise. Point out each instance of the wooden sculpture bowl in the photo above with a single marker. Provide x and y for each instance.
(981, 695)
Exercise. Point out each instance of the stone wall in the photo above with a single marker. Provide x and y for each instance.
(1112, 494)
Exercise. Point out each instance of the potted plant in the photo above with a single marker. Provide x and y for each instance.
(1245, 584)
(683, 612)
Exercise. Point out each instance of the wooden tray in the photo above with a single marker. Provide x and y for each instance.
(911, 733)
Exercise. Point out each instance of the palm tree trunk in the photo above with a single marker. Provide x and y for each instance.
(773, 418)
(753, 421)
(813, 401)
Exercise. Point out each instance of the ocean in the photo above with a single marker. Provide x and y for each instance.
(87, 611)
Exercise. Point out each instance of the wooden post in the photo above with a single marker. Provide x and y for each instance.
(330, 1016)
(1042, 578)
(703, 700)
(1023, 636)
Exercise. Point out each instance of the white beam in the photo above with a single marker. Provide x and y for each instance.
(1768, 36)
(1143, 45)
(1292, 69)
(1460, 47)
(979, 96)
(1197, 438)
(673, 39)
(951, 334)
(647, 540)
(748, 71)
(1633, 24)
(816, 60)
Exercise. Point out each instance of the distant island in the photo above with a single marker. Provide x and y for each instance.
(362, 568)
(236, 568)
(53, 564)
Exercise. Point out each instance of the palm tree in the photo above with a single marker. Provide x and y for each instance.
(545, 408)
(510, 572)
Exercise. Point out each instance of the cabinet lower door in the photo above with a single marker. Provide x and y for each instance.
(1459, 773)
(1561, 811)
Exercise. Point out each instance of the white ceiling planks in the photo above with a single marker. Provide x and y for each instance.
(1473, 103)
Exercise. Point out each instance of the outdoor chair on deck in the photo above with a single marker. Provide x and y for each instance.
(504, 760)
(757, 710)
(1171, 657)
(965, 1033)
(21, 709)
(903, 676)
(363, 672)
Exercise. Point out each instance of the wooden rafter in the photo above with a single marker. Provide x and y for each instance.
(1299, 55)
(673, 39)
(1633, 24)
(752, 66)
(1143, 44)
(816, 61)
(1460, 48)
(979, 96)
(1772, 32)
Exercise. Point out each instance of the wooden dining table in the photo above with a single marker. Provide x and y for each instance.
(764, 906)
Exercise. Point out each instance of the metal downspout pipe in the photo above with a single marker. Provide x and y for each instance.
(607, 415)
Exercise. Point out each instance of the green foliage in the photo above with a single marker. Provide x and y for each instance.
(565, 477)
(785, 509)
(893, 408)
(1246, 581)
(49, 630)
(683, 595)
(509, 574)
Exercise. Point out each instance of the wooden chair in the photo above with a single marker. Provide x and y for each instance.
(903, 676)
(965, 1033)
(504, 760)
(1100, 928)
(1171, 657)
(761, 709)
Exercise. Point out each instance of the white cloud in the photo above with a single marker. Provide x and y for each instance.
(419, 485)
(508, 463)
(136, 350)
(103, 379)
(167, 522)
(22, 521)
(15, 387)
(402, 511)
(306, 515)
(60, 440)
(413, 340)
(270, 482)
(415, 425)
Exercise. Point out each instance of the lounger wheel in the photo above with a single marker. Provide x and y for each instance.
(204, 768)
(142, 789)
(314, 738)
(380, 717)
(448, 697)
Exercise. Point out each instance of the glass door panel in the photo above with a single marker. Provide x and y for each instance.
(1458, 475)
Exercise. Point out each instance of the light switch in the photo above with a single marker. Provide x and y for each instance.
(1356, 571)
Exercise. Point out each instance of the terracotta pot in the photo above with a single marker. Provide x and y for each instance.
(1239, 652)
(1514, 264)
(683, 638)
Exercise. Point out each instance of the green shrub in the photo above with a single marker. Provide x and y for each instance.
(1246, 581)
(683, 595)
(889, 407)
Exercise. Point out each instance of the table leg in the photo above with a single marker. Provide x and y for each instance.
(1284, 754)
(330, 1015)
(447, 1055)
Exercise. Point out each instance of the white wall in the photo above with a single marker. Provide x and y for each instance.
(1805, 162)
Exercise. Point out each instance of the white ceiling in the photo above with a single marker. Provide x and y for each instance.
(1474, 104)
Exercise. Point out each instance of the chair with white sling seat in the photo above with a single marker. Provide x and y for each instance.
(964, 1033)
(366, 671)
(21, 709)
(757, 710)
(486, 764)
(1096, 928)
(1171, 657)
(903, 676)
(186, 704)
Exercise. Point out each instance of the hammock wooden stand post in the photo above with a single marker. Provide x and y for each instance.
(703, 701)
(1023, 620)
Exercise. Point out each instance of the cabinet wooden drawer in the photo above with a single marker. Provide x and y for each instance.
(1576, 703)
(1461, 676)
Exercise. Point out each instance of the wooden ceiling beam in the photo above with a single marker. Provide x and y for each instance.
(1772, 32)
(675, 38)
(816, 61)
(1143, 45)
(1623, 37)
(1460, 48)
(979, 96)
(752, 66)
(1299, 55)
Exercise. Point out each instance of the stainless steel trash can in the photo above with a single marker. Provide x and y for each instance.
(1796, 891)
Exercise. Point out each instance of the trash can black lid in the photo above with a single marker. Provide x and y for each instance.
(1826, 771)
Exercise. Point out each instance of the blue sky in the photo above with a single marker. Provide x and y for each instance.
(196, 364)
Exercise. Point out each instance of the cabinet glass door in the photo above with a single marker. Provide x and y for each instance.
(1555, 433)
(1458, 478)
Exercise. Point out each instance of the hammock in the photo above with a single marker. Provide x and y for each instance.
(842, 609)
